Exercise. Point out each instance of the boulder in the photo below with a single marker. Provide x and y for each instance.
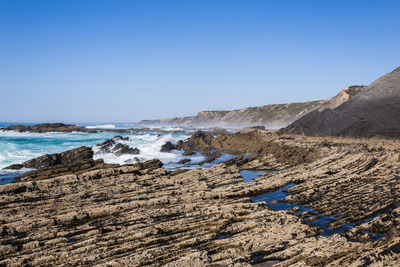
(50, 160)
(167, 147)
(73, 161)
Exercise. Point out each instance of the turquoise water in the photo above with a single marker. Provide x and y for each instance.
(18, 147)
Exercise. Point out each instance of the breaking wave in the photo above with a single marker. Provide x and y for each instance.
(149, 146)
(102, 126)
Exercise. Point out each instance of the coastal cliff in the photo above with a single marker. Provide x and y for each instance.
(271, 116)
(373, 111)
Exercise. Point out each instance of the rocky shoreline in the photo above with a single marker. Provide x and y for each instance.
(330, 202)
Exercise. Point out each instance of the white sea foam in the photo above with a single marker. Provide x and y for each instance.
(102, 126)
(16, 147)
(149, 146)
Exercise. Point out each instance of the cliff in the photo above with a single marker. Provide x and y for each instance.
(373, 111)
(271, 116)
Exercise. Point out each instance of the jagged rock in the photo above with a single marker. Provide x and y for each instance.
(121, 149)
(51, 165)
(112, 146)
(252, 141)
(198, 141)
(50, 160)
(167, 147)
(106, 146)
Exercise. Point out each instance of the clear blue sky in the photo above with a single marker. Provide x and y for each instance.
(105, 61)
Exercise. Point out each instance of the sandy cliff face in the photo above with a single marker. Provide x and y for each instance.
(373, 111)
(271, 116)
(342, 97)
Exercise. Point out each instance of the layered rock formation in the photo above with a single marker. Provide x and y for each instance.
(113, 146)
(373, 111)
(50, 165)
(141, 214)
(270, 116)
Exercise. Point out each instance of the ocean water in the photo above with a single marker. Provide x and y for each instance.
(18, 147)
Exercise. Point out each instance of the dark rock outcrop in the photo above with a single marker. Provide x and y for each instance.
(112, 146)
(373, 111)
(49, 127)
(122, 149)
(167, 147)
(106, 146)
(254, 142)
(82, 153)
(51, 165)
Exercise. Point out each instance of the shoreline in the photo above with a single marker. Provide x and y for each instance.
(199, 215)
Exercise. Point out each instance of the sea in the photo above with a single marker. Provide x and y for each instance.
(16, 147)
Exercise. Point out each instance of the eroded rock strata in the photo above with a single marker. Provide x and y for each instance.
(144, 215)
(76, 160)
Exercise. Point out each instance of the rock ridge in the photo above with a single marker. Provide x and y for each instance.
(373, 111)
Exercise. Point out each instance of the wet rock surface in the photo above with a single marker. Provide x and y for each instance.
(122, 149)
(49, 160)
(250, 141)
(167, 147)
(51, 165)
(141, 214)
(113, 146)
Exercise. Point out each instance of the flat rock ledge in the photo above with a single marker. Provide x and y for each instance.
(135, 216)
